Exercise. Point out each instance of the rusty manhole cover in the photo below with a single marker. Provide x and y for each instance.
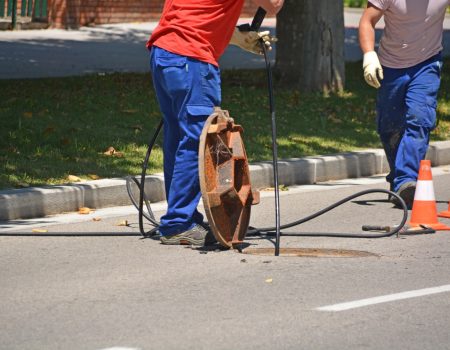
(311, 252)
(225, 179)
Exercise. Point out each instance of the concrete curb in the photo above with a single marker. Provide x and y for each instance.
(41, 201)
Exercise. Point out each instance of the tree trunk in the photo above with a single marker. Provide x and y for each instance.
(310, 51)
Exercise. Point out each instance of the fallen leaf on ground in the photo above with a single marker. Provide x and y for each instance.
(269, 280)
(39, 230)
(28, 115)
(122, 223)
(73, 178)
(96, 219)
(111, 151)
(93, 176)
(280, 188)
(84, 210)
(268, 189)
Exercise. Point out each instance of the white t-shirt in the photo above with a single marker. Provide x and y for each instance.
(413, 31)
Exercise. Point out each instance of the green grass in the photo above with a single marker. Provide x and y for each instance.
(52, 128)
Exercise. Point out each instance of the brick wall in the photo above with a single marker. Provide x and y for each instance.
(75, 13)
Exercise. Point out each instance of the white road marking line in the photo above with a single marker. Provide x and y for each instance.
(385, 298)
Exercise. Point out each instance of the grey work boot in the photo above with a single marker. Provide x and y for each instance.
(197, 235)
(406, 192)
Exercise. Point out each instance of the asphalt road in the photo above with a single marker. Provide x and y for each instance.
(129, 293)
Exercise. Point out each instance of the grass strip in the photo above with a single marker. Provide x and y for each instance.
(56, 127)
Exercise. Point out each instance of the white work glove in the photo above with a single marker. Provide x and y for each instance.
(249, 41)
(373, 72)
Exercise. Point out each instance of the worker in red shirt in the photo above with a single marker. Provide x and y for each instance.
(184, 52)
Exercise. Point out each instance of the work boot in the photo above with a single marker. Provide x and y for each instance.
(210, 238)
(197, 236)
(406, 192)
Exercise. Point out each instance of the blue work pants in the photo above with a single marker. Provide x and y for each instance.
(406, 114)
(187, 91)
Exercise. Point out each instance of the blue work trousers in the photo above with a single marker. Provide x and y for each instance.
(406, 114)
(187, 91)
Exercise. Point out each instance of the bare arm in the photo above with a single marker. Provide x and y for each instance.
(369, 19)
(271, 6)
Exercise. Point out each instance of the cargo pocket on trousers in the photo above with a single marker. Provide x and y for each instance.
(173, 71)
(196, 118)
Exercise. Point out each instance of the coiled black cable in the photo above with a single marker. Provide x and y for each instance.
(265, 231)
(268, 231)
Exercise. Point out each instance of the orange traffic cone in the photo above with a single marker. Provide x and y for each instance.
(424, 211)
(445, 213)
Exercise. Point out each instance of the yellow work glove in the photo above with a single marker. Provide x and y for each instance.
(373, 72)
(249, 41)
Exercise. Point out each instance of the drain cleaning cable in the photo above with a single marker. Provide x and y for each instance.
(268, 231)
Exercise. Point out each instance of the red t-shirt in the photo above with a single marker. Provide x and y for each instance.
(200, 29)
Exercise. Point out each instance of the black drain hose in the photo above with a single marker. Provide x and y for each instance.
(265, 231)
(151, 218)
(268, 231)
(274, 149)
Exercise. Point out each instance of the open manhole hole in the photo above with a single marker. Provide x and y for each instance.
(310, 252)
